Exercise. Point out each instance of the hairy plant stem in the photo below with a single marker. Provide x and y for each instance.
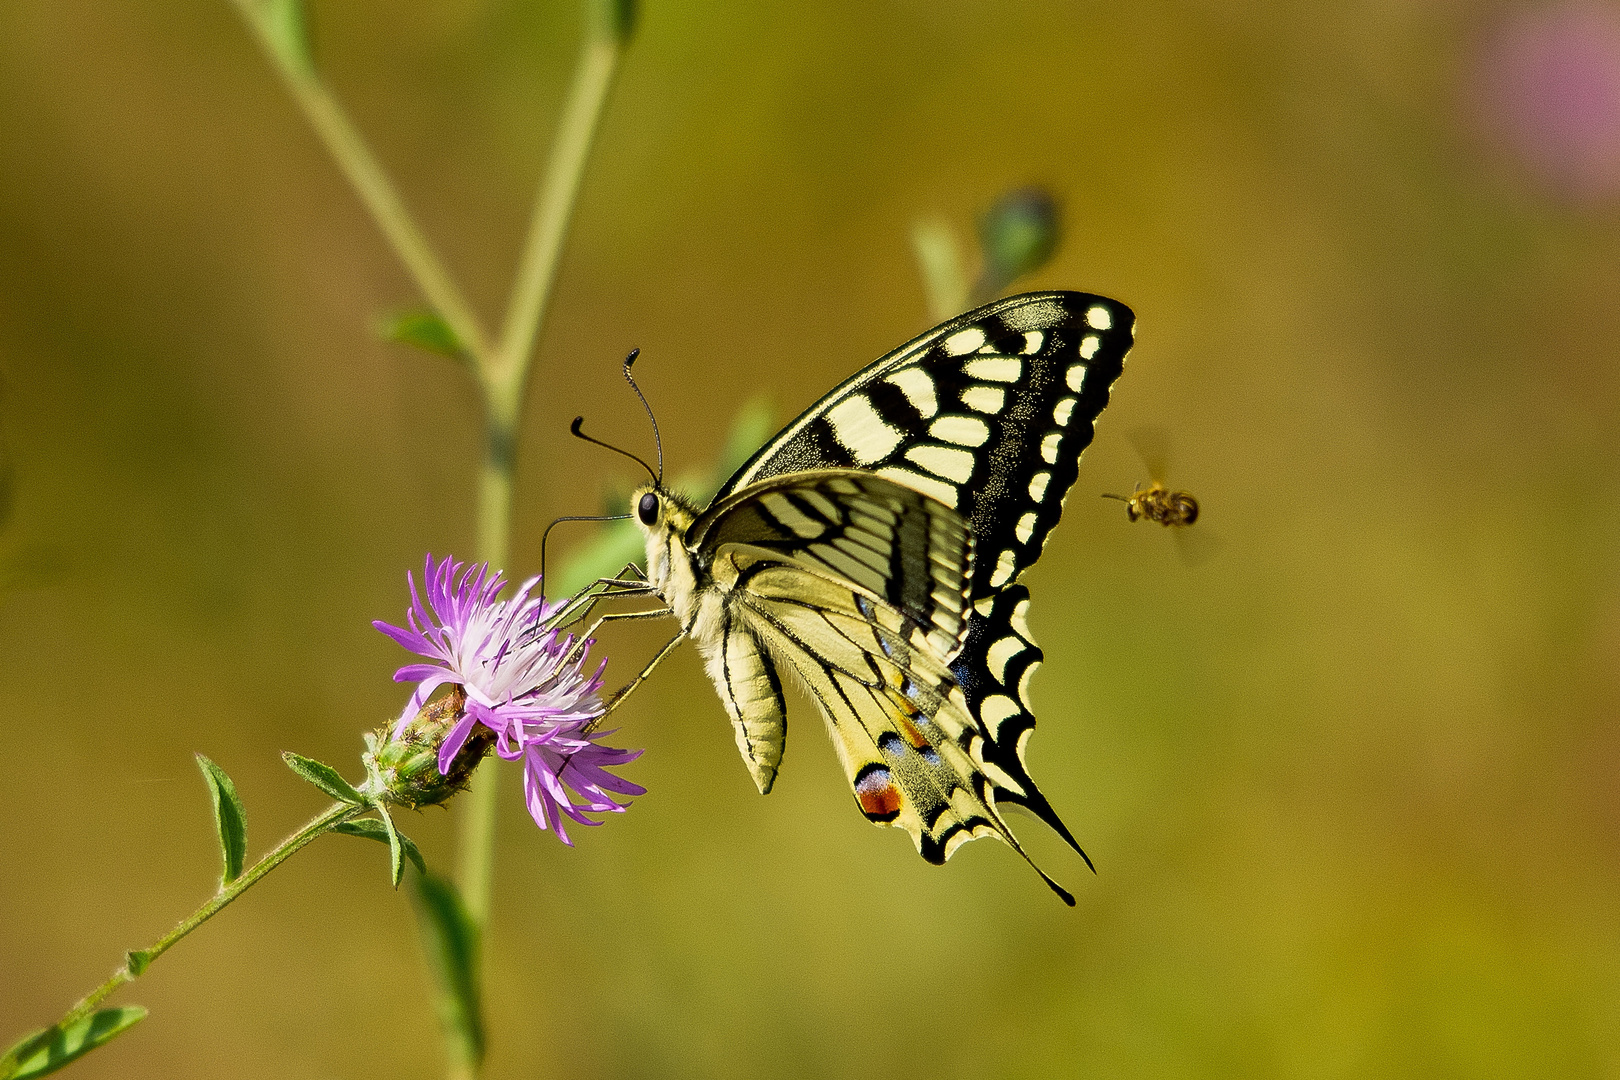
(334, 814)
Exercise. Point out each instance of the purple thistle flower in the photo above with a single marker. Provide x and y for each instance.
(521, 680)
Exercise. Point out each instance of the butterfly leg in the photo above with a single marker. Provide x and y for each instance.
(581, 604)
(628, 688)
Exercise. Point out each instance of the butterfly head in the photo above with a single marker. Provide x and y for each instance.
(663, 518)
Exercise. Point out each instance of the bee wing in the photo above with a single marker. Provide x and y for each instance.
(1197, 546)
(1152, 444)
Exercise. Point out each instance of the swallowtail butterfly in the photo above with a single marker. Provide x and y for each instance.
(873, 550)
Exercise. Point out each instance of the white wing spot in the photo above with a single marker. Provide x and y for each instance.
(962, 430)
(937, 489)
(946, 461)
(995, 368)
(1017, 620)
(1089, 346)
(781, 508)
(1033, 340)
(985, 399)
(1023, 685)
(857, 425)
(1049, 446)
(985, 606)
(1000, 655)
(1037, 485)
(964, 341)
(1004, 569)
(1098, 318)
(996, 710)
(1061, 411)
(918, 386)
(1077, 376)
(1026, 527)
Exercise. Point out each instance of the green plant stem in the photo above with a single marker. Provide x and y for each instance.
(501, 369)
(504, 382)
(334, 814)
(554, 207)
(369, 180)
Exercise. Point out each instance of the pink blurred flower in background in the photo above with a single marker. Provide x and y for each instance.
(1549, 88)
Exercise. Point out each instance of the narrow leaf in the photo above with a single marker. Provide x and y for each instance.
(372, 829)
(425, 330)
(396, 861)
(939, 257)
(604, 554)
(137, 961)
(451, 940)
(49, 1050)
(324, 777)
(286, 25)
(614, 19)
(749, 430)
(230, 818)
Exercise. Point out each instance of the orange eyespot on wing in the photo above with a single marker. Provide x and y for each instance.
(877, 795)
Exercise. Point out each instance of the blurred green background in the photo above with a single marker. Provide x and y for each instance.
(1350, 786)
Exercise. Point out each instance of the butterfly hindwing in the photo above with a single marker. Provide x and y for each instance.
(913, 755)
(988, 413)
(994, 669)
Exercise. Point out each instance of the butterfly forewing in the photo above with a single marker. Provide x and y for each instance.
(987, 413)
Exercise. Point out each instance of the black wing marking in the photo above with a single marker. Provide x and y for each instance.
(988, 413)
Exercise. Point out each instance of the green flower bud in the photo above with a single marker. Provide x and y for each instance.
(1016, 236)
(406, 769)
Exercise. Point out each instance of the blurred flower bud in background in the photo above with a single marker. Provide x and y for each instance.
(1017, 235)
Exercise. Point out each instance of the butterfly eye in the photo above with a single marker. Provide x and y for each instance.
(647, 509)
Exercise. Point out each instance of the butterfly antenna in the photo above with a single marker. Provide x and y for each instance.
(547, 535)
(657, 439)
(658, 477)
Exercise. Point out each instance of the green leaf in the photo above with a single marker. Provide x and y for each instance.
(605, 554)
(286, 26)
(324, 777)
(451, 940)
(396, 850)
(137, 961)
(425, 330)
(46, 1051)
(230, 818)
(372, 829)
(749, 429)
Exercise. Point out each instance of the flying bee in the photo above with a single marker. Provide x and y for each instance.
(1156, 502)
